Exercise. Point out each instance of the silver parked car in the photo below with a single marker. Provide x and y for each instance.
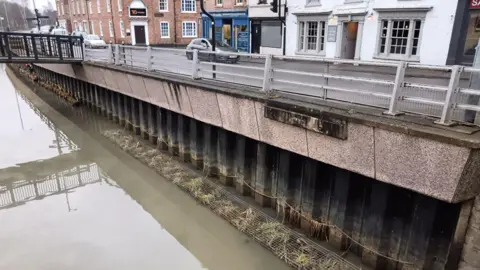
(94, 41)
(223, 49)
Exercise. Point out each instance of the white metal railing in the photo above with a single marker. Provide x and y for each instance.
(441, 92)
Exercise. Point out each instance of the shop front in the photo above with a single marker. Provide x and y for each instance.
(466, 33)
(231, 27)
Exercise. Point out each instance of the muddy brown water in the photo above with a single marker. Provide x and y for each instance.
(69, 199)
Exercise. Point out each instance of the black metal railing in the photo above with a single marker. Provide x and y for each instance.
(26, 47)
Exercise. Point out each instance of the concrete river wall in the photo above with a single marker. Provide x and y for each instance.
(398, 195)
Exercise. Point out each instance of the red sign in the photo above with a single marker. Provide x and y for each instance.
(474, 3)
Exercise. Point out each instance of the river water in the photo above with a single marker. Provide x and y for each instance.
(71, 200)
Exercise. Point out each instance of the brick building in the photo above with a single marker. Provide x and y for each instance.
(137, 22)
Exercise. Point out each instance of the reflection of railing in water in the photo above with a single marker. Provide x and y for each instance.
(61, 136)
(19, 192)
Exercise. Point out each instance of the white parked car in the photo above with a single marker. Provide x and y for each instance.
(94, 41)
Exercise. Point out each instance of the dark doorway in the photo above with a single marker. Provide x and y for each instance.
(349, 39)
(139, 34)
(256, 36)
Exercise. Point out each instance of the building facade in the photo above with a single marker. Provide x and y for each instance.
(413, 30)
(137, 22)
(231, 23)
(267, 30)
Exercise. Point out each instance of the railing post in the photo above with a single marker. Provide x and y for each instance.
(117, 54)
(2, 48)
(195, 65)
(451, 97)
(59, 46)
(85, 56)
(397, 88)
(49, 47)
(267, 75)
(34, 48)
(27, 50)
(7, 47)
(111, 59)
(149, 58)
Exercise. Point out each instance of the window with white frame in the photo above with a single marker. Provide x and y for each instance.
(120, 5)
(219, 2)
(189, 29)
(82, 4)
(99, 10)
(311, 36)
(72, 8)
(100, 28)
(89, 7)
(400, 34)
(75, 26)
(85, 26)
(108, 5)
(63, 9)
(110, 28)
(122, 29)
(78, 7)
(238, 2)
(188, 6)
(92, 25)
(164, 30)
(163, 5)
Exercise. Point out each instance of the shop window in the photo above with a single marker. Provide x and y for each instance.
(122, 29)
(164, 30)
(219, 2)
(189, 29)
(311, 36)
(271, 35)
(473, 33)
(400, 34)
(163, 5)
(188, 6)
(99, 10)
(110, 28)
(100, 27)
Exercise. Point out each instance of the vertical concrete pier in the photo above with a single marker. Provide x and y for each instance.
(226, 151)
(127, 106)
(121, 109)
(210, 154)
(184, 138)
(135, 115)
(143, 111)
(263, 183)
(196, 143)
(239, 164)
(162, 140)
(152, 123)
(172, 133)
